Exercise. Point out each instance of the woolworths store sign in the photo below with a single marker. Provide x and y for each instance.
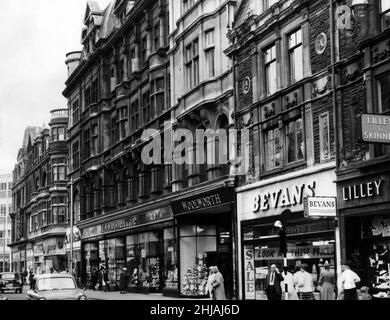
(375, 128)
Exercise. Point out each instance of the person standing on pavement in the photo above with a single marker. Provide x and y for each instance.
(31, 279)
(218, 285)
(209, 285)
(123, 280)
(326, 282)
(304, 283)
(272, 287)
(105, 280)
(348, 280)
(289, 279)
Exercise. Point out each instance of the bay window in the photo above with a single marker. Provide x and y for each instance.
(157, 96)
(192, 64)
(59, 169)
(134, 114)
(147, 113)
(94, 140)
(210, 53)
(123, 122)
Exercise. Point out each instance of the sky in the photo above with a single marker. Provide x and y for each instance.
(35, 37)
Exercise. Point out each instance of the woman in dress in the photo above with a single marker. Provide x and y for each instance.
(326, 283)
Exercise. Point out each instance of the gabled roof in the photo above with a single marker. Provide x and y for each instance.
(92, 9)
(108, 22)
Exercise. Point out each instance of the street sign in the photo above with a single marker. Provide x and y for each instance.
(375, 128)
(320, 207)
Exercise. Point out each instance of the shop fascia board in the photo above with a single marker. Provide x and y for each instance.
(288, 176)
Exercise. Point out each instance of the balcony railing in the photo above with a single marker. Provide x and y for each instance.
(59, 113)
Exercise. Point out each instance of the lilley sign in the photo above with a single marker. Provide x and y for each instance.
(362, 190)
(283, 197)
(375, 128)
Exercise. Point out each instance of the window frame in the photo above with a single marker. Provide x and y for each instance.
(292, 53)
(210, 53)
(267, 67)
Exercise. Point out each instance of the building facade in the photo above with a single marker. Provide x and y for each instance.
(5, 221)
(363, 175)
(117, 86)
(283, 95)
(127, 79)
(40, 198)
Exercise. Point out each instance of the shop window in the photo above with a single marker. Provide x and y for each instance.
(295, 144)
(170, 259)
(295, 56)
(197, 243)
(272, 149)
(144, 259)
(385, 14)
(324, 136)
(383, 85)
(270, 69)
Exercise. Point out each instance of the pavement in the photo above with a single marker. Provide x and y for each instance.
(100, 295)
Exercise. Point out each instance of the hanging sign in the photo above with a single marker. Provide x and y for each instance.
(375, 128)
(320, 206)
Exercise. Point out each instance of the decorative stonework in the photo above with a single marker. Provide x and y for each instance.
(320, 43)
(379, 55)
(318, 89)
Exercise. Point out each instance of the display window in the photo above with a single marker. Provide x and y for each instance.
(198, 247)
(170, 261)
(91, 254)
(144, 257)
(313, 253)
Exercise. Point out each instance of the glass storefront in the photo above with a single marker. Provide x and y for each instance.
(198, 248)
(150, 258)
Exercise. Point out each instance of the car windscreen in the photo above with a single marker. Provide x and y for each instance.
(64, 283)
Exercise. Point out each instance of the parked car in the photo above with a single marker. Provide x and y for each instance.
(57, 286)
(10, 281)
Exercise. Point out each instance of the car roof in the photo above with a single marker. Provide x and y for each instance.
(53, 275)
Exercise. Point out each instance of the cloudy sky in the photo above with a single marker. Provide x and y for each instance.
(34, 36)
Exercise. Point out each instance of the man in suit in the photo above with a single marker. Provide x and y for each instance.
(272, 287)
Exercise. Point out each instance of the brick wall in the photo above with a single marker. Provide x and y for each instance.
(244, 69)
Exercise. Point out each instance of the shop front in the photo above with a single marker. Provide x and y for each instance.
(310, 239)
(144, 242)
(54, 254)
(364, 208)
(205, 238)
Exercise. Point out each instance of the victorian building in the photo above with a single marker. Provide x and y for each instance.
(202, 99)
(39, 198)
(283, 95)
(150, 65)
(118, 86)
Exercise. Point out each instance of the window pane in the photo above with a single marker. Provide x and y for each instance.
(384, 93)
(271, 78)
(187, 231)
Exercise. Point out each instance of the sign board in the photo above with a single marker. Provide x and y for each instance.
(249, 272)
(134, 221)
(320, 207)
(207, 200)
(306, 252)
(375, 128)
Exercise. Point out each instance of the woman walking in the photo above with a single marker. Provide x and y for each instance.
(326, 283)
(218, 285)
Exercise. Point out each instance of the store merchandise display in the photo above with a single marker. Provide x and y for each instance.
(171, 281)
(380, 263)
(195, 280)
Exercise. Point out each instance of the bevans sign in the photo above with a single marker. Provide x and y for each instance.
(287, 193)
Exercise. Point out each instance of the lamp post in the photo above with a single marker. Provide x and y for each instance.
(283, 249)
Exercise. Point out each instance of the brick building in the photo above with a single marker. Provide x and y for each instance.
(283, 95)
(39, 198)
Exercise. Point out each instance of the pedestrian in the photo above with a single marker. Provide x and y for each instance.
(218, 285)
(123, 280)
(289, 279)
(106, 285)
(25, 275)
(304, 283)
(95, 276)
(209, 284)
(101, 278)
(348, 280)
(364, 295)
(326, 282)
(272, 287)
(31, 279)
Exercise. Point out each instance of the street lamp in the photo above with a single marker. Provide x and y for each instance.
(283, 250)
